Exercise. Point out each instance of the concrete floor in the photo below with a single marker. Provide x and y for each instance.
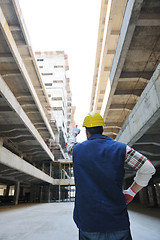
(53, 221)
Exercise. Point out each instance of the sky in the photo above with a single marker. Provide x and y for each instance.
(70, 26)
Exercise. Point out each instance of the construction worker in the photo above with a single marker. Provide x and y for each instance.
(100, 210)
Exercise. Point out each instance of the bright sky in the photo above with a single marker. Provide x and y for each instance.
(70, 26)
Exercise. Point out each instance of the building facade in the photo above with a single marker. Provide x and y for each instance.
(53, 67)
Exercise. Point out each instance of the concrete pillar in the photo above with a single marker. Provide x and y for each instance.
(143, 197)
(49, 193)
(157, 190)
(43, 166)
(34, 193)
(45, 193)
(7, 190)
(59, 193)
(16, 193)
(1, 141)
(50, 174)
(41, 194)
(151, 196)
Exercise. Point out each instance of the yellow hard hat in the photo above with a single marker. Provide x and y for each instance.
(93, 120)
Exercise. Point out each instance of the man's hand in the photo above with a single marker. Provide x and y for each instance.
(72, 140)
(75, 131)
(129, 195)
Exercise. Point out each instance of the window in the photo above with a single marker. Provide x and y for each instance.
(58, 66)
(48, 84)
(40, 66)
(40, 60)
(47, 74)
(49, 95)
(57, 81)
(58, 109)
(56, 98)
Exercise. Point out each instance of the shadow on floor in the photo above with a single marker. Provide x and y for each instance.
(149, 211)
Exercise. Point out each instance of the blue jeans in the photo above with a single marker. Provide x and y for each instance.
(118, 235)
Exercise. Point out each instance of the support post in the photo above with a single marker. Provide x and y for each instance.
(50, 169)
(16, 193)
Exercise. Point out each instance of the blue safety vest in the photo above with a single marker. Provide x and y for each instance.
(98, 165)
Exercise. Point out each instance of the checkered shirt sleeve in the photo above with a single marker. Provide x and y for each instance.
(134, 159)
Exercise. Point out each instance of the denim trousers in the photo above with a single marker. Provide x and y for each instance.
(118, 235)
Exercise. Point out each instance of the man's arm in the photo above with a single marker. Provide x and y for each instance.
(145, 170)
(72, 140)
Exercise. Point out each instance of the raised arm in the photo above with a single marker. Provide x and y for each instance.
(72, 140)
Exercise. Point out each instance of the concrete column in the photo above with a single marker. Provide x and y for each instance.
(143, 197)
(7, 190)
(50, 174)
(1, 141)
(151, 196)
(43, 166)
(41, 194)
(16, 193)
(45, 193)
(59, 193)
(49, 193)
(33, 193)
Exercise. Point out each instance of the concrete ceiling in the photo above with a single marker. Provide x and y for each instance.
(25, 125)
(129, 71)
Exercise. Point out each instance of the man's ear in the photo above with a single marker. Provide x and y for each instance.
(87, 133)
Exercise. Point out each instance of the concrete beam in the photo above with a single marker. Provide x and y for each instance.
(64, 181)
(8, 73)
(150, 138)
(7, 60)
(122, 106)
(113, 124)
(108, 31)
(15, 134)
(5, 1)
(111, 130)
(111, 52)
(107, 69)
(133, 80)
(13, 161)
(12, 127)
(5, 109)
(115, 32)
(148, 22)
(14, 28)
(12, 101)
(145, 75)
(127, 30)
(148, 104)
(136, 92)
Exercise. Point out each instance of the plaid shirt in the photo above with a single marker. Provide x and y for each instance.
(134, 159)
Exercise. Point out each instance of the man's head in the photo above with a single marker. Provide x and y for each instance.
(93, 123)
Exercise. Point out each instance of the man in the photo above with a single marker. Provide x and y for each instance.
(100, 210)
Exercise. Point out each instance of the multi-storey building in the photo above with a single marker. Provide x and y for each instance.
(53, 67)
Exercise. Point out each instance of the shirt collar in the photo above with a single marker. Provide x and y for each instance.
(99, 136)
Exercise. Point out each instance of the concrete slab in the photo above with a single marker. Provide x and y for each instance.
(39, 222)
(54, 221)
(145, 222)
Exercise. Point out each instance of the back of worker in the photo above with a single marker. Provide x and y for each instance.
(99, 170)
